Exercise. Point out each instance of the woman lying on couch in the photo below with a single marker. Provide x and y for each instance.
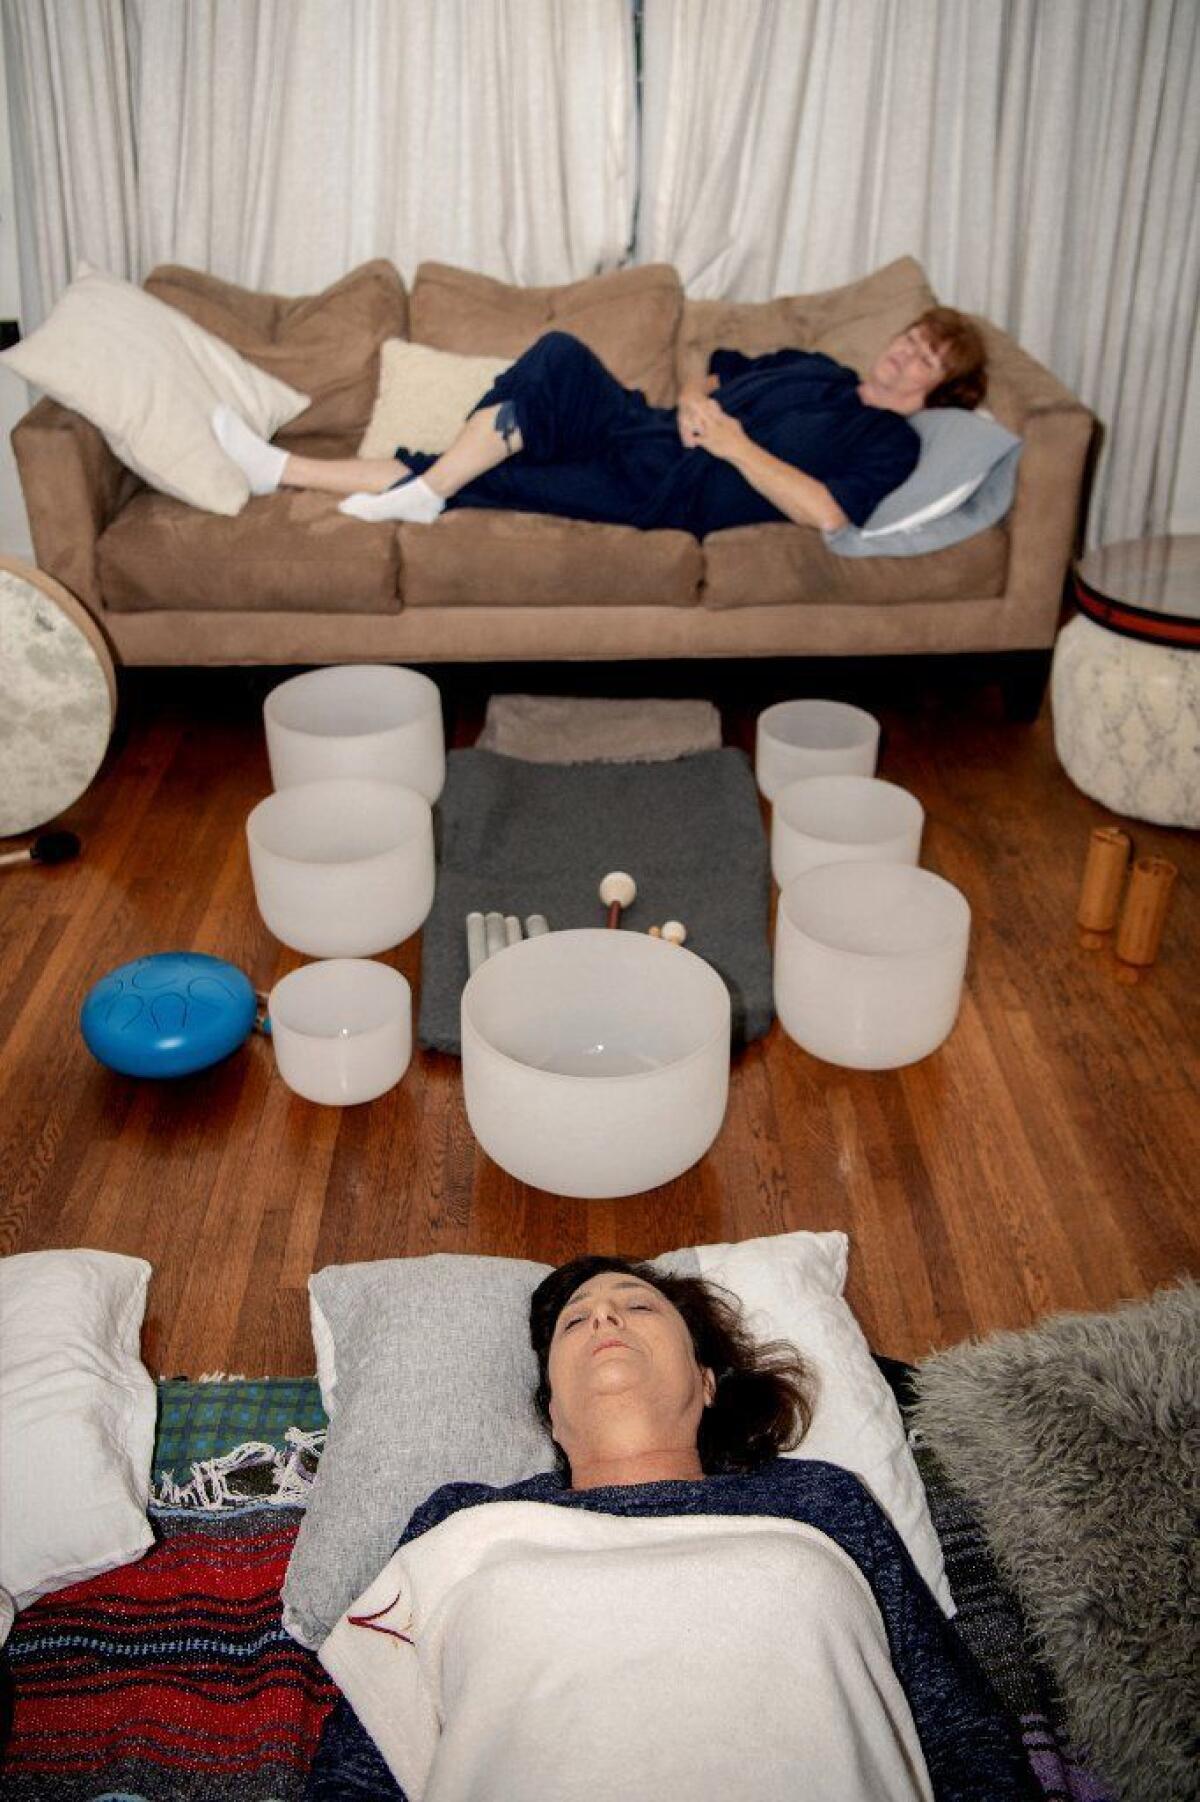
(792, 435)
(676, 1612)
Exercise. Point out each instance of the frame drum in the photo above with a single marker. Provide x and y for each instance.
(58, 698)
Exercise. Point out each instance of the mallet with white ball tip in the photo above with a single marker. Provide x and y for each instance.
(674, 932)
(617, 891)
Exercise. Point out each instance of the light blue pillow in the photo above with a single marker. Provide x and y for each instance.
(964, 481)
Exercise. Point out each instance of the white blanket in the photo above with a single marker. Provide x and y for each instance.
(521, 1652)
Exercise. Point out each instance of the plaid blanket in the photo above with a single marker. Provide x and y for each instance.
(172, 1680)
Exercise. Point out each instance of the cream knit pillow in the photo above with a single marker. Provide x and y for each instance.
(424, 396)
(148, 378)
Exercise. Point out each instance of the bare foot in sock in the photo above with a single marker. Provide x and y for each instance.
(412, 500)
(261, 463)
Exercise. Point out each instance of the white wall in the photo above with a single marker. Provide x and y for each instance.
(14, 395)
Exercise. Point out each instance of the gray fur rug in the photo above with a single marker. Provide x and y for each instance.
(1078, 1442)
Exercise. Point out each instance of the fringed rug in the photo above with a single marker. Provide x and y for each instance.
(172, 1680)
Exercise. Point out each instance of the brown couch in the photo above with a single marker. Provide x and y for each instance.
(290, 580)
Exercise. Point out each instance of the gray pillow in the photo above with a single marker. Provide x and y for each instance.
(395, 1343)
(964, 481)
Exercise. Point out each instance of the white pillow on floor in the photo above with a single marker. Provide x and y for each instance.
(77, 1410)
(148, 378)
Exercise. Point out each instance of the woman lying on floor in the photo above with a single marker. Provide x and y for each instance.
(677, 1612)
(792, 435)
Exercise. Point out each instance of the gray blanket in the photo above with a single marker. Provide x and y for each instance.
(537, 838)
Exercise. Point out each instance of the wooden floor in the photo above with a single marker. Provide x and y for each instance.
(1046, 1158)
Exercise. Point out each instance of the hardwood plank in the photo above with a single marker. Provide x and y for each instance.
(1045, 1159)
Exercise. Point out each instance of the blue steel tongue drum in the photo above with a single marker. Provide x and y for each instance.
(58, 698)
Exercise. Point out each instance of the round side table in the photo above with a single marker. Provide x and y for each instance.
(1125, 680)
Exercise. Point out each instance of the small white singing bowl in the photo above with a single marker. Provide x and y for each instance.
(595, 1063)
(342, 868)
(830, 819)
(377, 720)
(342, 1030)
(813, 738)
(869, 962)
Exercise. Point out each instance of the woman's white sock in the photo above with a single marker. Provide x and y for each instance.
(413, 501)
(261, 463)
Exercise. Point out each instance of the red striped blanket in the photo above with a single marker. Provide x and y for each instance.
(170, 1678)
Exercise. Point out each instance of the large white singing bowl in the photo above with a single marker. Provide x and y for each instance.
(813, 738)
(833, 819)
(342, 1030)
(343, 868)
(357, 719)
(869, 962)
(595, 1063)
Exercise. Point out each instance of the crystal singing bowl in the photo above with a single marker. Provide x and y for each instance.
(813, 738)
(341, 1029)
(869, 962)
(357, 719)
(824, 819)
(595, 1062)
(342, 868)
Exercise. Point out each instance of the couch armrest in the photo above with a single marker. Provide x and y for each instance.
(1045, 521)
(74, 488)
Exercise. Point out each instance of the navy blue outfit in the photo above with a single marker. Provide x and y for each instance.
(970, 1748)
(594, 449)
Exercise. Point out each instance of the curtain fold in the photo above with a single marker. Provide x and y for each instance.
(282, 141)
(1041, 158)
(72, 143)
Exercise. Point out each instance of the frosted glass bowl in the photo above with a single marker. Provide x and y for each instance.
(869, 962)
(342, 868)
(595, 1063)
(357, 719)
(342, 1030)
(813, 738)
(830, 819)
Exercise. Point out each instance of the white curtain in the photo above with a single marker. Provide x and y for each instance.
(282, 141)
(279, 142)
(72, 141)
(1041, 158)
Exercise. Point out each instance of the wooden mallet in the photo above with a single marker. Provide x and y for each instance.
(48, 847)
(617, 891)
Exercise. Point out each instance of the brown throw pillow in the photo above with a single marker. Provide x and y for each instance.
(851, 324)
(325, 344)
(629, 318)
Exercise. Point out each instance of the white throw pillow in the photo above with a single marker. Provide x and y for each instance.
(148, 378)
(427, 1376)
(77, 1410)
(424, 396)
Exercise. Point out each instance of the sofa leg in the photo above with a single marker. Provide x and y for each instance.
(1023, 679)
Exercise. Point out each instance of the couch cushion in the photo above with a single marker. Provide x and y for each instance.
(326, 344)
(774, 565)
(479, 558)
(284, 552)
(629, 318)
(851, 323)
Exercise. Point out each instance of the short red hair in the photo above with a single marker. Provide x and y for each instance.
(959, 343)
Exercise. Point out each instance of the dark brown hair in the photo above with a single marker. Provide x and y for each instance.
(762, 1405)
(959, 343)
